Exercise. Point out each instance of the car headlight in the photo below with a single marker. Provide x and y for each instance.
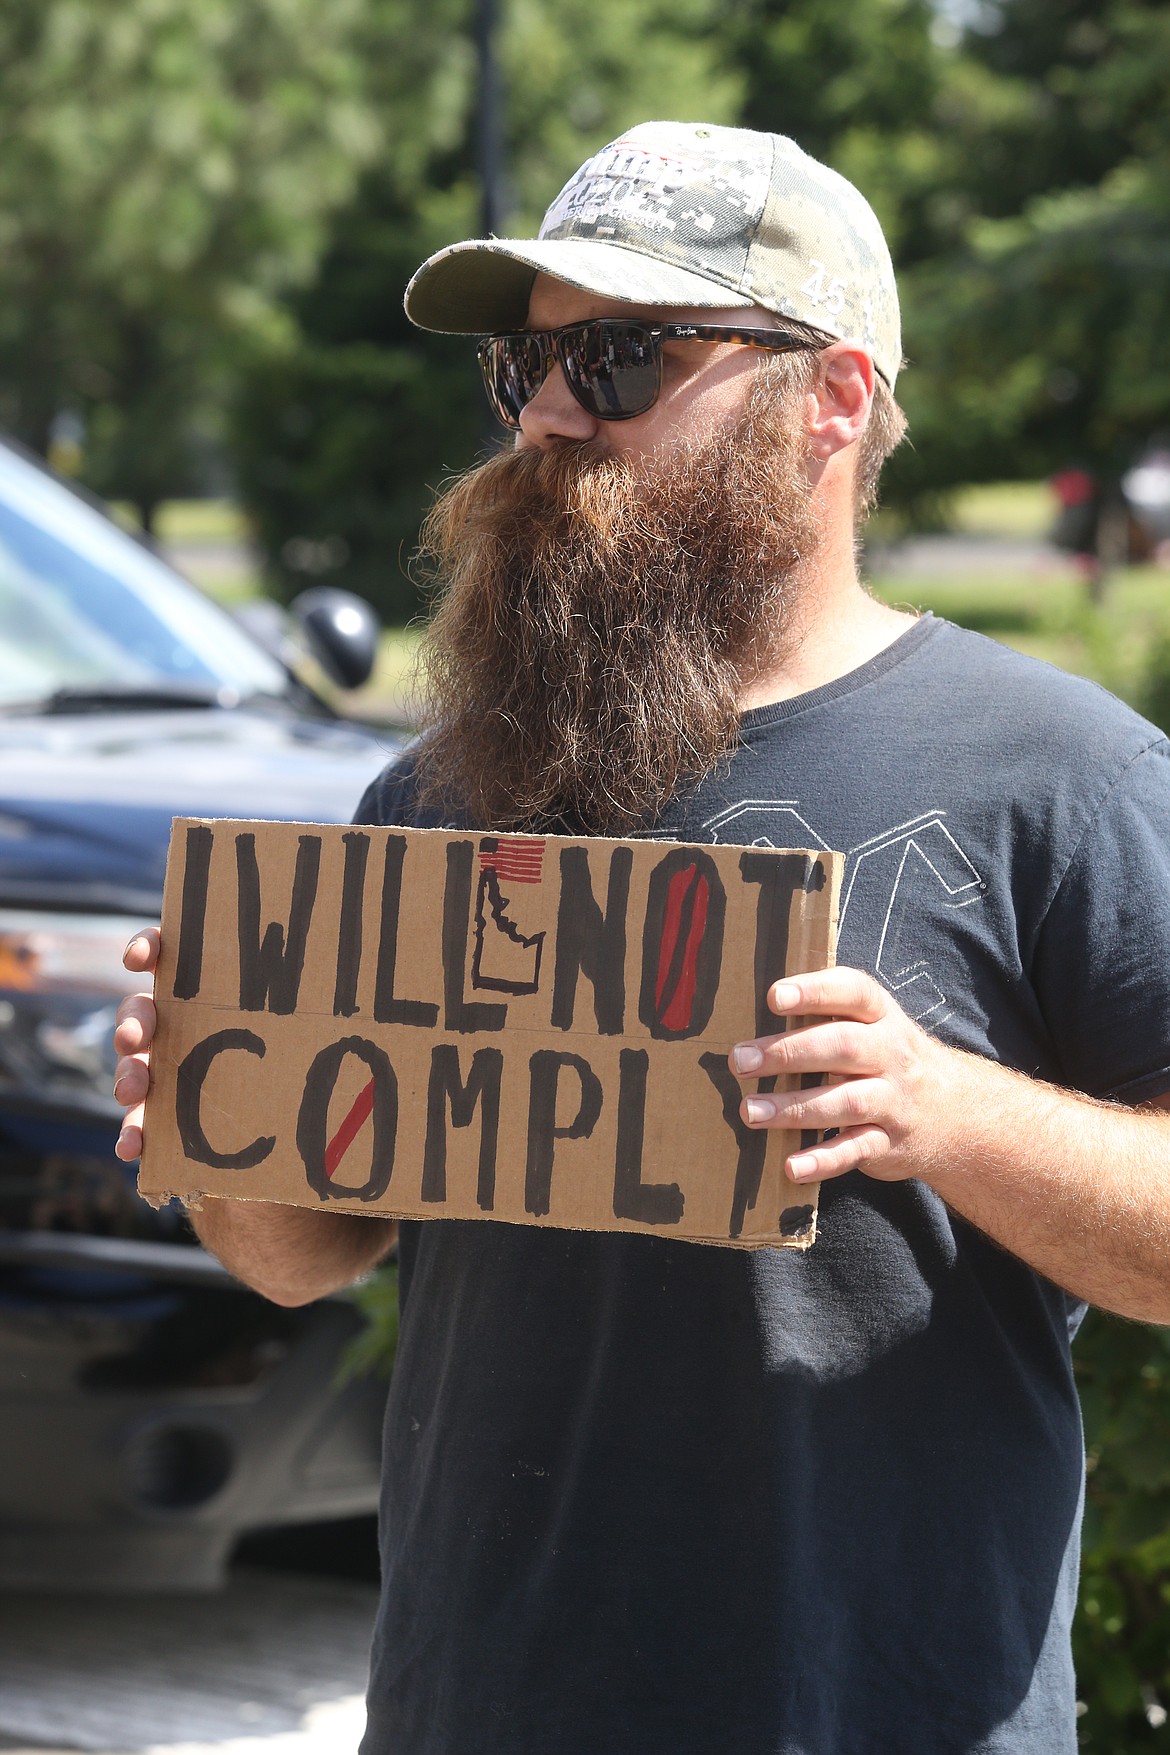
(61, 978)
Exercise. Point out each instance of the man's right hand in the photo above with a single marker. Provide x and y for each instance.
(289, 1254)
(132, 1038)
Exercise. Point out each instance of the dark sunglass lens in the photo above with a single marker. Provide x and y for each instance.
(612, 368)
(513, 372)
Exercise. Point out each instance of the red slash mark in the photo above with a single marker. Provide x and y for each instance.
(350, 1128)
(678, 954)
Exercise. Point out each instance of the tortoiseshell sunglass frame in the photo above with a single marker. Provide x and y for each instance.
(518, 361)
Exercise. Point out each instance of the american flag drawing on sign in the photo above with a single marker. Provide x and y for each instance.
(513, 860)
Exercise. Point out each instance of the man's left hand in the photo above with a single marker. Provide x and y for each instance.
(1077, 1188)
(887, 1089)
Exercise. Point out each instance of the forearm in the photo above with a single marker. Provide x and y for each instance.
(292, 1254)
(1079, 1190)
(289, 1254)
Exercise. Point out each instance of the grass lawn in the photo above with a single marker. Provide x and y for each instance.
(191, 521)
(1124, 643)
(1004, 508)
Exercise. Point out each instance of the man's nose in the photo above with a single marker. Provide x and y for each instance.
(554, 414)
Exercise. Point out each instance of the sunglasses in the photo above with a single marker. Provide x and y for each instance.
(613, 368)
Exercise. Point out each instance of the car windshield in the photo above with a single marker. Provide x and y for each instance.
(86, 609)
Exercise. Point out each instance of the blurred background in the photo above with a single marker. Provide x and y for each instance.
(209, 210)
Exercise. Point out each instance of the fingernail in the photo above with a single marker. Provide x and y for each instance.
(801, 1166)
(136, 940)
(784, 995)
(117, 1082)
(747, 1058)
(760, 1109)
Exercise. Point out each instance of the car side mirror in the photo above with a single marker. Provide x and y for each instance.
(341, 631)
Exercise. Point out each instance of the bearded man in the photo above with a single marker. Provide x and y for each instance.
(645, 1497)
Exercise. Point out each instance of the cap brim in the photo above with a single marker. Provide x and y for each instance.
(484, 285)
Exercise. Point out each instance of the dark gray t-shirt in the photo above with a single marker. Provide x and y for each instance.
(645, 1497)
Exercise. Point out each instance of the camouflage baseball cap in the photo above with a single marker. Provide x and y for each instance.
(676, 213)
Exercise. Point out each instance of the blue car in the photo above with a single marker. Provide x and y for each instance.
(152, 1409)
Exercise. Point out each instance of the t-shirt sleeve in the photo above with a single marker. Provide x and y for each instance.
(1102, 969)
(389, 801)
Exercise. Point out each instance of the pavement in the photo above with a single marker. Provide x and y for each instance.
(273, 1665)
(958, 555)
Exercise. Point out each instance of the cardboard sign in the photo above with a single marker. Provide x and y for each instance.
(438, 1025)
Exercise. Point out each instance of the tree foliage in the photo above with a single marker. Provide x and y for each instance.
(165, 174)
(1122, 1635)
(857, 86)
(345, 430)
(1034, 321)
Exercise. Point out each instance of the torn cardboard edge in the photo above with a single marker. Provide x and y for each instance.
(798, 1223)
(432, 1024)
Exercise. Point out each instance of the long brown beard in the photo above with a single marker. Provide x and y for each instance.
(599, 616)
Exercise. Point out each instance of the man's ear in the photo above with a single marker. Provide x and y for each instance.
(840, 400)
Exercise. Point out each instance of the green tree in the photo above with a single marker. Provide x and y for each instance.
(1122, 1635)
(1035, 326)
(871, 89)
(856, 85)
(345, 422)
(345, 426)
(165, 173)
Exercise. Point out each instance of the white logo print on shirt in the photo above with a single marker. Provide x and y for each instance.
(892, 881)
